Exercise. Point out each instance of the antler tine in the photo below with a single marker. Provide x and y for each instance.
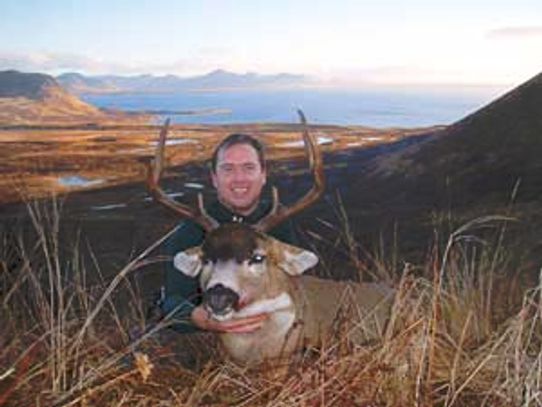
(280, 213)
(154, 172)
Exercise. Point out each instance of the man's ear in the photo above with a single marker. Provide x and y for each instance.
(264, 176)
(213, 178)
(188, 262)
(295, 261)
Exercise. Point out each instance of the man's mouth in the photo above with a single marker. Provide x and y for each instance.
(240, 191)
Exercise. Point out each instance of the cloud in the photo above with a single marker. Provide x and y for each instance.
(55, 63)
(519, 32)
(393, 75)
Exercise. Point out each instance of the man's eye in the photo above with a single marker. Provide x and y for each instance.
(249, 167)
(257, 259)
(226, 168)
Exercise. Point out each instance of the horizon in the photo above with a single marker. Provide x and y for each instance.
(348, 44)
(310, 83)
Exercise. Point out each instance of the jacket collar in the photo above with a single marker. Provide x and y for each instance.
(224, 215)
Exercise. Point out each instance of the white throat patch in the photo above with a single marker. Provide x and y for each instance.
(269, 305)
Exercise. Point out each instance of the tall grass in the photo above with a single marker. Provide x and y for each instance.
(62, 331)
(462, 332)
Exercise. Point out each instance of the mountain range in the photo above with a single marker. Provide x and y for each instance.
(216, 80)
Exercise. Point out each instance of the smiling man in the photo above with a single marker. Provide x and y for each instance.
(239, 173)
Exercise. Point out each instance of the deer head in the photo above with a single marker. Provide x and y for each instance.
(243, 271)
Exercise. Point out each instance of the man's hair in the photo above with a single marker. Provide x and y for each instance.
(239, 138)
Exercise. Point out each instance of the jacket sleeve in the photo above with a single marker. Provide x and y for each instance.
(181, 291)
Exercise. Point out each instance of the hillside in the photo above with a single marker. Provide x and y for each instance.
(476, 167)
(38, 99)
(483, 155)
(28, 85)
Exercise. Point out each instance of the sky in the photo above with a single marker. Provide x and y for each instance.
(346, 42)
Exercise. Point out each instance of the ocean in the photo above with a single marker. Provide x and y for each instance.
(389, 108)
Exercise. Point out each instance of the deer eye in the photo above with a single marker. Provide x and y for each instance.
(256, 259)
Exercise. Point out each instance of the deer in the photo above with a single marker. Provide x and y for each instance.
(243, 271)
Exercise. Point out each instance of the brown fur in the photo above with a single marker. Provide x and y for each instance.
(232, 241)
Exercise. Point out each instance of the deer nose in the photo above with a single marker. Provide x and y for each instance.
(220, 299)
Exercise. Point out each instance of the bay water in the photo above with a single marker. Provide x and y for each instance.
(374, 108)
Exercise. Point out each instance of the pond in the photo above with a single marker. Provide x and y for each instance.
(78, 181)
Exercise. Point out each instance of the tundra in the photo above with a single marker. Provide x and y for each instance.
(242, 272)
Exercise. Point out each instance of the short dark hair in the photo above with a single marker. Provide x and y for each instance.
(239, 138)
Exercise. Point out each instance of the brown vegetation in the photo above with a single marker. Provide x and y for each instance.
(453, 338)
(33, 160)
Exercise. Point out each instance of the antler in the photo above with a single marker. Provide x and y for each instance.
(154, 172)
(280, 213)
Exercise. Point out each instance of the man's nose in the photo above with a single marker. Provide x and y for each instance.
(239, 174)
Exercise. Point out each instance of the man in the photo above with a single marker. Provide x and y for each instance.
(239, 174)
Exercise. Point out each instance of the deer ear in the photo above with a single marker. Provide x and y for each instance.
(188, 262)
(296, 261)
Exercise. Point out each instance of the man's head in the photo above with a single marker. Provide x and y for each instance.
(238, 172)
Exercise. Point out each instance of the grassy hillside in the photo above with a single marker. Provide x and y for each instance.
(488, 163)
(486, 153)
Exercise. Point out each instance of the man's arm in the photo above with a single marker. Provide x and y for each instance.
(200, 318)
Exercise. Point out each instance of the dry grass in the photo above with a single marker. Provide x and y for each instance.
(33, 160)
(461, 333)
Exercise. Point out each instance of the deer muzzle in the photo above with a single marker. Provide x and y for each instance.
(220, 301)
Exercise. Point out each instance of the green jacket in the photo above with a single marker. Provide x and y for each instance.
(181, 291)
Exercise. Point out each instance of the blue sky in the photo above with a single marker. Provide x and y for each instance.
(340, 42)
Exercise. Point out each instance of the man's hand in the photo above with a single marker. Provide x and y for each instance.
(200, 317)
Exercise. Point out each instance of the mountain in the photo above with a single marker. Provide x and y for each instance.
(32, 86)
(38, 99)
(215, 80)
(77, 83)
(487, 163)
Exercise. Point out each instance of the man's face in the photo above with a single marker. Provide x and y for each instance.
(239, 178)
